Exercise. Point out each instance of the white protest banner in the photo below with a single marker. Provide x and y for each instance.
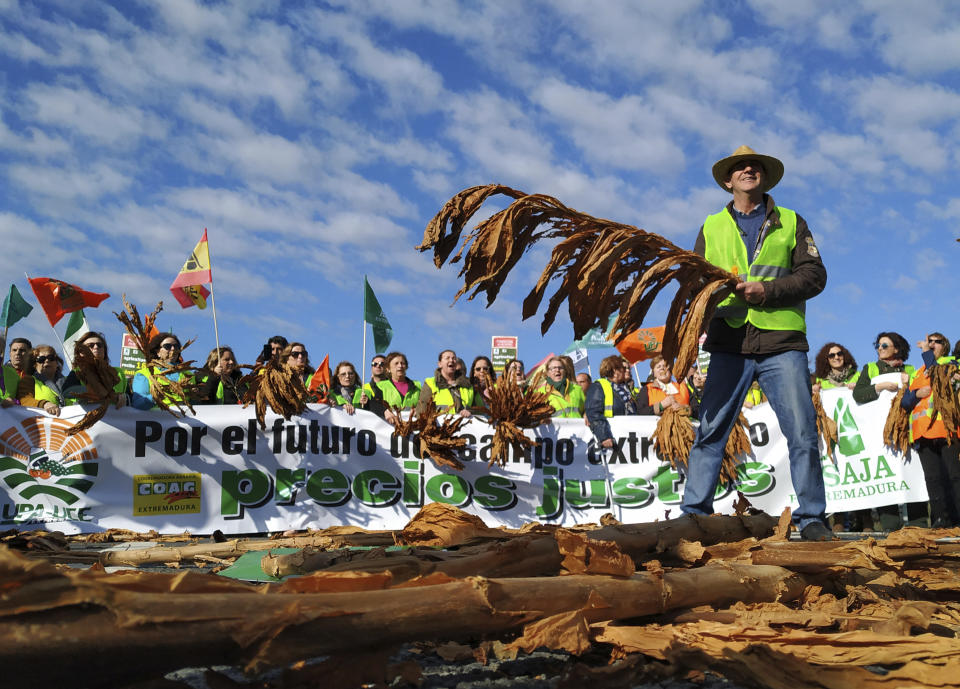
(217, 470)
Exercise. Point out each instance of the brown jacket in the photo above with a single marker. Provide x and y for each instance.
(807, 279)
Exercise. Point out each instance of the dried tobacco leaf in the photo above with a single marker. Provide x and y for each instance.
(826, 428)
(512, 409)
(170, 385)
(99, 379)
(673, 436)
(737, 448)
(434, 432)
(896, 430)
(943, 398)
(602, 267)
(278, 386)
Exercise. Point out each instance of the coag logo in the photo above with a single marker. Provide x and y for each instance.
(38, 458)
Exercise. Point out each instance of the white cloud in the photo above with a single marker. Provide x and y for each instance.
(626, 133)
(906, 283)
(87, 183)
(90, 115)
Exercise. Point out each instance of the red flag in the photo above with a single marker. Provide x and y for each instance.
(320, 381)
(641, 344)
(58, 298)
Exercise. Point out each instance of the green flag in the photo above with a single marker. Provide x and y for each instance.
(77, 327)
(593, 339)
(373, 314)
(14, 308)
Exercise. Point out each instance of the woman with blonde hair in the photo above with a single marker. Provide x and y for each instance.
(219, 378)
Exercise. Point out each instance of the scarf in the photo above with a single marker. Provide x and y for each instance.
(839, 376)
(626, 395)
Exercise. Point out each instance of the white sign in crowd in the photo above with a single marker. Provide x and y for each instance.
(217, 470)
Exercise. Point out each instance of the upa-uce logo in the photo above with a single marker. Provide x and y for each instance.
(45, 471)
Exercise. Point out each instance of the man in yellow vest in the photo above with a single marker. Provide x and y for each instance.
(758, 333)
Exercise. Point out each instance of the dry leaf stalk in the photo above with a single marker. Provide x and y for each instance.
(511, 409)
(177, 386)
(434, 432)
(826, 427)
(738, 447)
(673, 436)
(943, 398)
(601, 267)
(278, 386)
(99, 378)
(896, 430)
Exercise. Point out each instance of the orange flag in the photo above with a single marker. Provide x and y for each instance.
(641, 344)
(58, 298)
(320, 381)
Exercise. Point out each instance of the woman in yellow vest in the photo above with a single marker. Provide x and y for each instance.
(566, 397)
(483, 378)
(346, 391)
(450, 391)
(835, 367)
(49, 381)
(608, 396)
(165, 348)
(219, 378)
(398, 391)
(937, 446)
(73, 386)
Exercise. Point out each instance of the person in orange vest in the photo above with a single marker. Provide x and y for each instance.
(662, 392)
(937, 447)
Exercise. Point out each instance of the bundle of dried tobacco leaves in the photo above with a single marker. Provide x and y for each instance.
(602, 267)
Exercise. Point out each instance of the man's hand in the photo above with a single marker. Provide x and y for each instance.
(607, 443)
(892, 387)
(752, 292)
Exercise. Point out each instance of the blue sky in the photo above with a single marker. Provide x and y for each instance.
(316, 141)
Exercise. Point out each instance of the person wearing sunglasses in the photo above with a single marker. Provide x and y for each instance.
(295, 356)
(937, 447)
(74, 386)
(164, 349)
(346, 391)
(483, 378)
(835, 367)
(889, 372)
(49, 385)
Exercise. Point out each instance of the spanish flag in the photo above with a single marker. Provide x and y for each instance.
(188, 287)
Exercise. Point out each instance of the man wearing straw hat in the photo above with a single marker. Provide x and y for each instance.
(758, 333)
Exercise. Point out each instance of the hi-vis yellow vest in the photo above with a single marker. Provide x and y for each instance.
(607, 388)
(724, 247)
(443, 398)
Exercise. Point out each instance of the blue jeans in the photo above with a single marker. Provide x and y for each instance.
(785, 380)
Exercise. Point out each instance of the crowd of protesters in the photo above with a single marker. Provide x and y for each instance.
(34, 376)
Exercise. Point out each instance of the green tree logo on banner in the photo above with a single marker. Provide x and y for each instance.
(849, 442)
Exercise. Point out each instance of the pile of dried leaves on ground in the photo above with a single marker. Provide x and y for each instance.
(728, 595)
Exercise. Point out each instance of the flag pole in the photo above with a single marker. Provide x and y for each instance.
(363, 368)
(213, 302)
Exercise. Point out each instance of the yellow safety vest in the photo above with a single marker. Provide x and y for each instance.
(724, 247)
(443, 398)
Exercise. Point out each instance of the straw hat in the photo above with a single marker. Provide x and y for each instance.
(772, 167)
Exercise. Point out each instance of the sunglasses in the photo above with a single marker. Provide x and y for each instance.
(482, 368)
(936, 341)
(42, 359)
(378, 364)
(170, 346)
(883, 346)
(95, 344)
(298, 353)
(835, 355)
